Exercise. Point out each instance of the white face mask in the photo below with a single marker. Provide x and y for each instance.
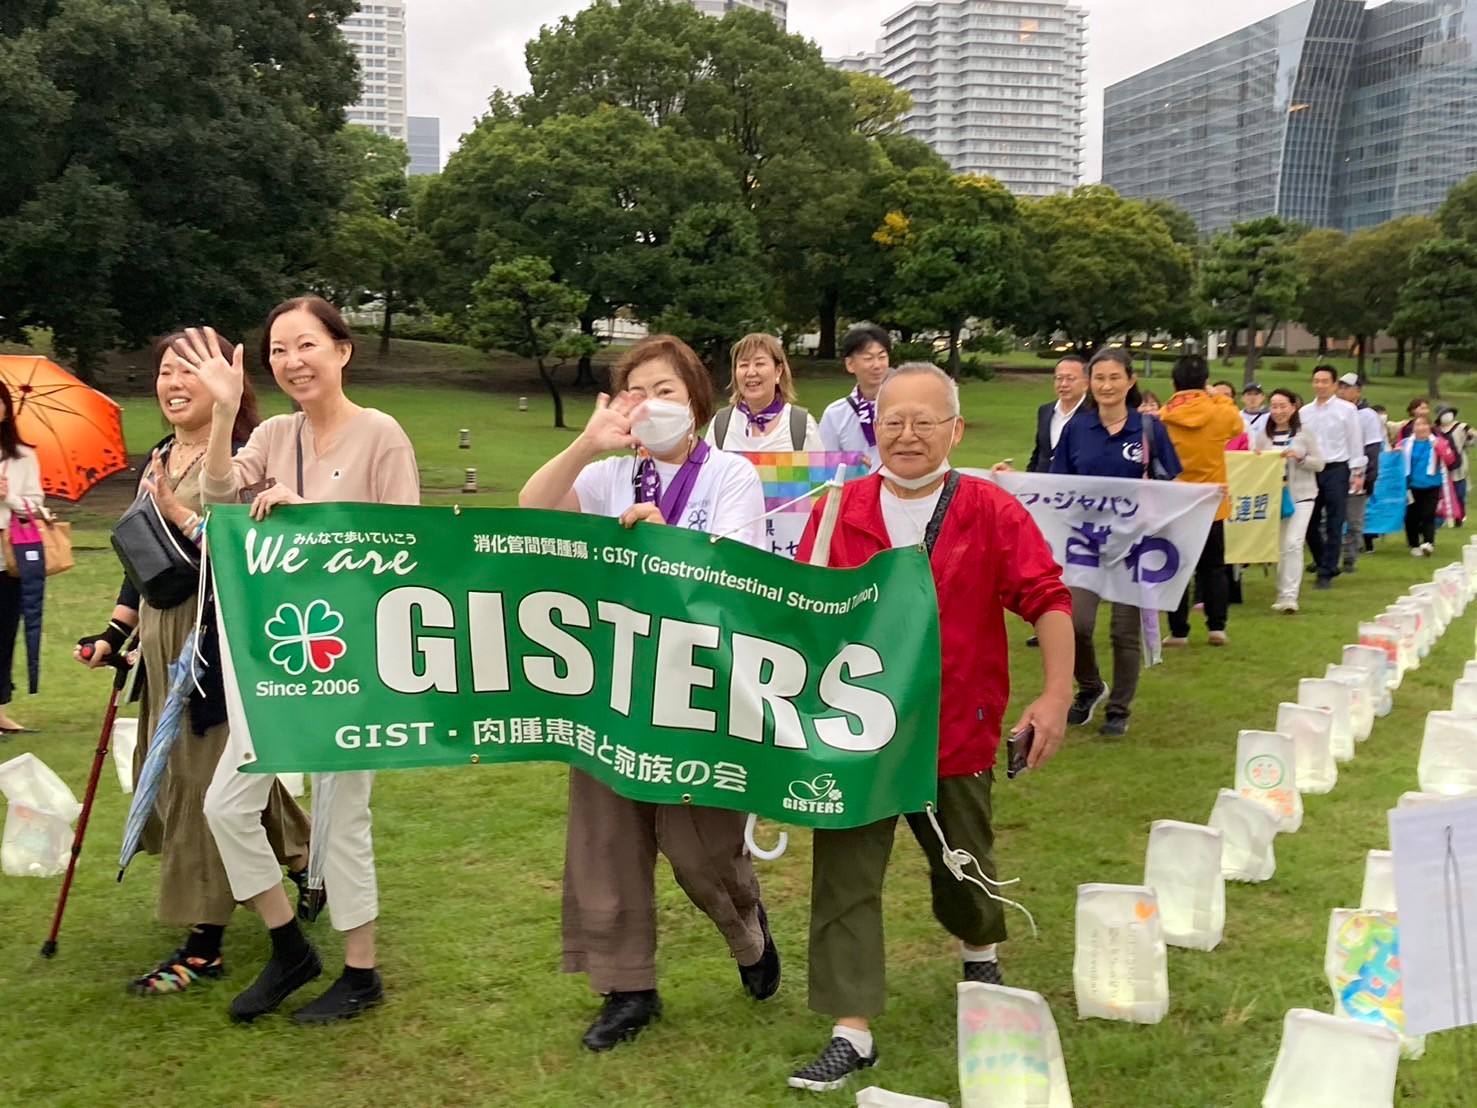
(912, 484)
(664, 426)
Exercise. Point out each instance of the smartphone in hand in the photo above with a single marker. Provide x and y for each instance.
(251, 492)
(1018, 748)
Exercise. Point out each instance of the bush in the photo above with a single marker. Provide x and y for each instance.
(989, 342)
(915, 352)
(980, 369)
(1273, 352)
(1285, 365)
(426, 328)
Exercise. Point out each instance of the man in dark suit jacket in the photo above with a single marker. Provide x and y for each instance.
(1071, 389)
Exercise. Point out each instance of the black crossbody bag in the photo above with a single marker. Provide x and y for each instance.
(157, 558)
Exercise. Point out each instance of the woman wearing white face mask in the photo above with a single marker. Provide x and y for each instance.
(763, 416)
(662, 393)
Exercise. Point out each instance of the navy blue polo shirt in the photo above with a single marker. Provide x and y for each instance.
(1087, 450)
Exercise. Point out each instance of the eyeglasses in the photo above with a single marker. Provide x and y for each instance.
(923, 427)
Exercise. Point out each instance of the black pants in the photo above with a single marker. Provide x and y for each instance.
(1326, 528)
(10, 622)
(1210, 576)
(1420, 516)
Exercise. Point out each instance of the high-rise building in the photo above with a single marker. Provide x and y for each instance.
(377, 34)
(1328, 113)
(777, 9)
(997, 85)
(423, 136)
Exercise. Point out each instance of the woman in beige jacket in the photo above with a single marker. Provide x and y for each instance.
(1283, 431)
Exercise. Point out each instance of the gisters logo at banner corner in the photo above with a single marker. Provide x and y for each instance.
(673, 669)
(304, 638)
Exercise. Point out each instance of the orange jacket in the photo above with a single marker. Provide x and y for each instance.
(1200, 425)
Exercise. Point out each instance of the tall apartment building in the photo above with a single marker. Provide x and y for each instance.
(997, 85)
(377, 34)
(1330, 113)
(423, 136)
(777, 9)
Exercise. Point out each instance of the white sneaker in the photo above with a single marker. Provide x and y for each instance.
(1417, 551)
(1428, 548)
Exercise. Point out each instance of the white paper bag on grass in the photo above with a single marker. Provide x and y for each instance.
(1464, 695)
(1441, 604)
(1469, 672)
(1320, 692)
(122, 744)
(1416, 800)
(1331, 1062)
(1010, 1055)
(1456, 587)
(1312, 740)
(1361, 701)
(1121, 965)
(1183, 867)
(1266, 772)
(1386, 638)
(1362, 964)
(1248, 832)
(1377, 662)
(1379, 881)
(1424, 612)
(1448, 763)
(37, 840)
(1406, 625)
(881, 1098)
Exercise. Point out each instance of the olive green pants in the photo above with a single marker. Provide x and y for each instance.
(847, 960)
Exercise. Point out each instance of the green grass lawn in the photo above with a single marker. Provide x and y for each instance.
(470, 862)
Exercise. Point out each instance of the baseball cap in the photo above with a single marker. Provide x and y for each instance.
(1350, 379)
(1251, 387)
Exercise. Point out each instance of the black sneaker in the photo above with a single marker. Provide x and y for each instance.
(1323, 584)
(273, 985)
(986, 973)
(833, 1068)
(762, 979)
(1349, 567)
(310, 902)
(342, 1001)
(1085, 706)
(1114, 727)
(624, 1016)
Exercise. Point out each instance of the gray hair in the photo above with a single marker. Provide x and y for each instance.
(922, 369)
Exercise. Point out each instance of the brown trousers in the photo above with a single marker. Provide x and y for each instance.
(610, 882)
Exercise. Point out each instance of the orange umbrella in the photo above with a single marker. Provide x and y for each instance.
(76, 430)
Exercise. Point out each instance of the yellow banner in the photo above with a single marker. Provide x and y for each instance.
(1256, 507)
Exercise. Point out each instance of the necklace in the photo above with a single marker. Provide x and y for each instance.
(179, 466)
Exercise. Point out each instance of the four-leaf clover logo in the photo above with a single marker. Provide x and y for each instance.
(306, 638)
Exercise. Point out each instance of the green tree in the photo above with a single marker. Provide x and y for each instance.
(519, 307)
(1438, 304)
(191, 137)
(878, 104)
(1324, 307)
(1457, 216)
(1102, 266)
(1372, 270)
(1250, 279)
(721, 285)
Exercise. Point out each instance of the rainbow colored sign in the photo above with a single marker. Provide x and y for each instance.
(791, 484)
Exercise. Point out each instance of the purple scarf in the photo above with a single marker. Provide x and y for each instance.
(673, 502)
(866, 414)
(759, 421)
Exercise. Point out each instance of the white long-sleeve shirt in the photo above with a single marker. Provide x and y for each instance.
(1336, 423)
(24, 474)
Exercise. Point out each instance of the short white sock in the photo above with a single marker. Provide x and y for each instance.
(861, 1040)
(986, 955)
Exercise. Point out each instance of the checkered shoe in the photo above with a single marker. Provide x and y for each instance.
(987, 973)
(833, 1068)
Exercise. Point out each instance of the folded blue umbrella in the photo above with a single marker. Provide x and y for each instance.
(161, 742)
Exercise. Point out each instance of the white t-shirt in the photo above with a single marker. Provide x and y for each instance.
(1373, 427)
(842, 433)
(774, 441)
(1254, 420)
(1059, 419)
(727, 499)
(907, 520)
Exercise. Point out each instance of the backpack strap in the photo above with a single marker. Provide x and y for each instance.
(936, 524)
(720, 426)
(799, 424)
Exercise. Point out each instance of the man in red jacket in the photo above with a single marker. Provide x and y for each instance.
(988, 557)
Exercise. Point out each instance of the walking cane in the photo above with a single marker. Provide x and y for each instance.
(120, 663)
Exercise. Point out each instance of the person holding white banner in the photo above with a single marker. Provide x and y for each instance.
(1284, 432)
(1112, 439)
(763, 417)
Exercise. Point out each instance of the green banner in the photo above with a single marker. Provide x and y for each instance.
(671, 667)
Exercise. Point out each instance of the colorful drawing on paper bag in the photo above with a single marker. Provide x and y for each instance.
(1365, 970)
(1004, 1047)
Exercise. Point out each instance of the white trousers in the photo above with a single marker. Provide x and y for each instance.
(1290, 564)
(233, 808)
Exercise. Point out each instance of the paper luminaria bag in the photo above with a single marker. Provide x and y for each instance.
(1362, 700)
(1448, 762)
(1312, 739)
(1010, 1055)
(37, 840)
(1266, 772)
(1379, 881)
(874, 1097)
(1377, 662)
(1248, 832)
(1329, 1060)
(1320, 692)
(1383, 637)
(1464, 696)
(1183, 867)
(1120, 966)
(1362, 964)
(1405, 626)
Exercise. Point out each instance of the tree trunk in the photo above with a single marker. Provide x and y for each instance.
(1322, 347)
(1253, 356)
(827, 311)
(386, 326)
(553, 387)
(955, 362)
(1363, 341)
(1229, 350)
(1433, 374)
(1399, 357)
(585, 376)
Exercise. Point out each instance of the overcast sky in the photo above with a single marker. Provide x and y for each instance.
(460, 50)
